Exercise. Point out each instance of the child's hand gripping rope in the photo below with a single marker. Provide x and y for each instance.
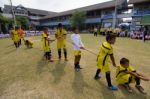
(84, 49)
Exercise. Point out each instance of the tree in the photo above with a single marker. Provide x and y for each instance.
(4, 24)
(78, 19)
(22, 21)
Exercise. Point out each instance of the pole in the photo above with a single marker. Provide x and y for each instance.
(13, 14)
(115, 15)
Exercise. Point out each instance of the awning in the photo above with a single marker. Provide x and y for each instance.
(145, 20)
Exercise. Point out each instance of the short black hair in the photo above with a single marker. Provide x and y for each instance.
(124, 61)
(110, 36)
(59, 25)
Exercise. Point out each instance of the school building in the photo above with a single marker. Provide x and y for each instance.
(32, 14)
(96, 15)
(140, 12)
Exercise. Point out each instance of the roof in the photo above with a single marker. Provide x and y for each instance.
(34, 11)
(103, 5)
(138, 1)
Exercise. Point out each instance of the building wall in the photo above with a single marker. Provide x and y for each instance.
(94, 17)
(139, 11)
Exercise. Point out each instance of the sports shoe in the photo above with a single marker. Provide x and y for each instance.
(97, 77)
(113, 88)
(141, 89)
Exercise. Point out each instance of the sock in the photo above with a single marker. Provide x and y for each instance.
(59, 53)
(97, 72)
(65, 53)
(137, 81)
(108, 79)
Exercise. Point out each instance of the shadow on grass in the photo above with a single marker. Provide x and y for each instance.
(58, 72)
(10, 45)
(6, 53)
(133, 95)
(79, 83)
(41, 64)
(107, 94)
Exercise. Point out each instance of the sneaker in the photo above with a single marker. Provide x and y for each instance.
(51, 60)
(113, 88)
(141, 89)
(97, 77)
(66, 59)
(77, 69)
(128, 88)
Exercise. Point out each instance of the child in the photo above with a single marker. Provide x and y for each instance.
(46, 44)
(77, 46)
(106, 51)
(15, 37)
(61, 41)
(28, 44)
(21, 35)
(126, 74)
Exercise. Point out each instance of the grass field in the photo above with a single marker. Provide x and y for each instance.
(25, 75)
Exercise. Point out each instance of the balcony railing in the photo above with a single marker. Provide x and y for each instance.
(141, 13)
(107, 16)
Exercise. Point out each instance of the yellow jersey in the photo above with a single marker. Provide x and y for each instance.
(15, 36)
(121, 75)
(104, 55)
(45, 42)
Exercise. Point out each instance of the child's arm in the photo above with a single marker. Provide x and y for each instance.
(81, 44)
(113, 60)
(138, 75)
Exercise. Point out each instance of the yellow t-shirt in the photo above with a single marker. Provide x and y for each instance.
(104, 54)
(45, 42)
(15, 36)
(121, 75)
(61, 33)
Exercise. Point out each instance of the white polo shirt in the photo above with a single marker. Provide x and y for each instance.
(76, 41)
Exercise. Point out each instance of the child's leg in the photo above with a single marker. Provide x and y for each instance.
(18, 44)
(59, 53)
(108, 79)
(65, 53)
(46, 55)
(15, 44)
(126, 85)
(49, 56)
(97, 73)
(76, 61)
(138, 86)
(138, 81)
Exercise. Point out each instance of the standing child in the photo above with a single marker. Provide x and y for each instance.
(126, 74)
(15, 37)
(61, 41)
(106, 52)
(21, 35)
(77, 46)
(46, 44)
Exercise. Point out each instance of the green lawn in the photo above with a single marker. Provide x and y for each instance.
(25, 75)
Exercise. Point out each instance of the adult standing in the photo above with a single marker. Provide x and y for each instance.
(145, 33)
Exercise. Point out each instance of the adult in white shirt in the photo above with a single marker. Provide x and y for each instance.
(77, 46)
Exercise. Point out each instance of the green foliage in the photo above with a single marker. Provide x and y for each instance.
(78, 19)
(21, 20)
(3, 19)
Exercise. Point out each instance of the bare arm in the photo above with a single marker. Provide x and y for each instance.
(113, 60)
(138, 75)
